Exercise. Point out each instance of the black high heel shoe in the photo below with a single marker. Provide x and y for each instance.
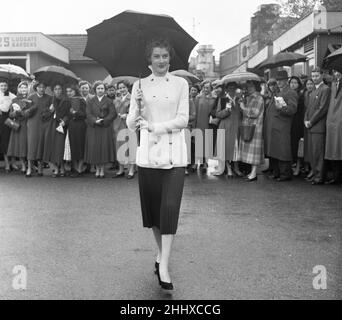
(166, 286)
(156, 272)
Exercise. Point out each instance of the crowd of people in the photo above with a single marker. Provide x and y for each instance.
(295, 122)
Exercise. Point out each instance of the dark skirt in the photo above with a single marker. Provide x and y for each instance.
(58, 146)
(99, 145)
(5, 133)
(46, 140)
(33, 136)
(161, 193)
(18, 142)
(77, 134)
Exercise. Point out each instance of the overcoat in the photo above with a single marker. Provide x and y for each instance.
(121, 107)
(333, 149)
(99, 144)
(278, 123)
(230, 122)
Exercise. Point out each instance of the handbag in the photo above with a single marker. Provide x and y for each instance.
(12, 124)
(247, 132)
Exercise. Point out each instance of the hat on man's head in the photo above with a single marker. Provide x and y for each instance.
(282, 75)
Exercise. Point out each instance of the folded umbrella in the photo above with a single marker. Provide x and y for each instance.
(52, 75)
(11, 72)
(334, 60)
(191, 78)
(282, 59)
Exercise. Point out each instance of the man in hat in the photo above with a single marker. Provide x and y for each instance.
(278, 122)
(315, 121)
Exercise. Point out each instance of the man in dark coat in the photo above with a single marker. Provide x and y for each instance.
(278, 122)
(315, 121)
(333, 148)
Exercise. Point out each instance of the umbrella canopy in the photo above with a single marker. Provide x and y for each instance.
(334, 60)
(52, 75)
(119, 43)
(186, 75)
(11, 72)
(113, 81)
(282, 59)
(240, 77)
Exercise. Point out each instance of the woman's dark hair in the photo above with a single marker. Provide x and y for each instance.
(256, 84)
(125, 83)
(230, 84)
(74, 87)
(83, 82)
(38, 84)
(98, 83)
(158, 43)
(300, 85)
(6, 93)
(196, 86)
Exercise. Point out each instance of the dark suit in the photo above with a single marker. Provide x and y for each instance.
(316, 113)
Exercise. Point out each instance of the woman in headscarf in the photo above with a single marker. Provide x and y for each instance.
(17, 147)
(6, 99)
(77, 128)
(60, 115)
(99, 144)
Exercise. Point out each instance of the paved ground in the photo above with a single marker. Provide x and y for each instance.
(82, 239)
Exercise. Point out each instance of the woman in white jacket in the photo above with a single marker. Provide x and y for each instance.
(163, 100)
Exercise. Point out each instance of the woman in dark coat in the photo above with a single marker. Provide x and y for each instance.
(229, 113)
(99, 143)
(77, 128)
(122, 108)
(57, 135)
(17, 147)
(6, 99)
(297, 129)
(40, 101)
(309, 88)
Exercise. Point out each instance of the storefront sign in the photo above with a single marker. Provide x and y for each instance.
(17, 43)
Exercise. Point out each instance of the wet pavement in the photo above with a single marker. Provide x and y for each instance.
(83, 239)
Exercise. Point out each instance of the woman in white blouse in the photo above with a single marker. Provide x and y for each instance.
(5, 132)
(163, 100)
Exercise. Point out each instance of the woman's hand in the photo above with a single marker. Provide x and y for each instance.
(123, 116)
(142, 123)
(62, 123)
(52, 108)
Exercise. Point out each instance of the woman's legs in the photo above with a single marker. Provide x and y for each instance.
(131, 169)
(121, 169)
(23, 165)
(102, 166)
(166, 241)
(7, 163)
(29, 167)
(80, 166)
(158, 238)
(253, 173)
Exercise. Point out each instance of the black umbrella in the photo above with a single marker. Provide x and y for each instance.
(334, 60)
(282, 59)
(119, 43)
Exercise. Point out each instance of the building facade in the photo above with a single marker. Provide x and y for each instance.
(32, 51)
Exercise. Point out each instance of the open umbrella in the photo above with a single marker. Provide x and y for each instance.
(334, 60)
(52, 75)
(190, 77)
(11, 72)
(113, 81)
(282, 59)
(119, 43)
(240, 77)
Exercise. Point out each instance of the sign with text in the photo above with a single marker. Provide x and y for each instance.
(18, 43)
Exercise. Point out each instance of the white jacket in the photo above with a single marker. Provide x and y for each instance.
(166, 103)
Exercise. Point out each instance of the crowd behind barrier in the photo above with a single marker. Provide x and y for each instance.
(294, 122)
